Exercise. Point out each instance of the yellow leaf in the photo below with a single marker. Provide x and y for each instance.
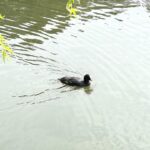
(2, 38)
(4, 55)
(73, 11)
(7, 48)
(70, 8)
(2, 17)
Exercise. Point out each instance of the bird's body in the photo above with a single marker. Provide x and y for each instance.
(74, 81)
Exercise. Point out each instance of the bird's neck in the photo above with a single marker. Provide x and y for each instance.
(86, 82)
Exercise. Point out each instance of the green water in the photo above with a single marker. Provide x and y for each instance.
(108, 40)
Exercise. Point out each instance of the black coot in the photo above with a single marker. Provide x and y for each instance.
(74, 81)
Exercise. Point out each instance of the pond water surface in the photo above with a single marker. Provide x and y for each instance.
(108, 39)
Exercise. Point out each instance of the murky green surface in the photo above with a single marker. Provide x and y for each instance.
(108, 39)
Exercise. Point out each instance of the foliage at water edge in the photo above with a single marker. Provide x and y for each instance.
(5, 48)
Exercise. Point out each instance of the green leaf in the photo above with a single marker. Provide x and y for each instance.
(4, 55)
(70, 8)
(6, 49)
(2, 39)
(2, 17)
(73, 11)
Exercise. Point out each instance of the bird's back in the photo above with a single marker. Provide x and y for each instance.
(71, 81)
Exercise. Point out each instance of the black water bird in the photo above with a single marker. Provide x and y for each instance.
(74, 81)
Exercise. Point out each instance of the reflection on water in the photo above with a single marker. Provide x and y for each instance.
(108, 39)
(146, 4)
(34, 26)
(65, 88)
